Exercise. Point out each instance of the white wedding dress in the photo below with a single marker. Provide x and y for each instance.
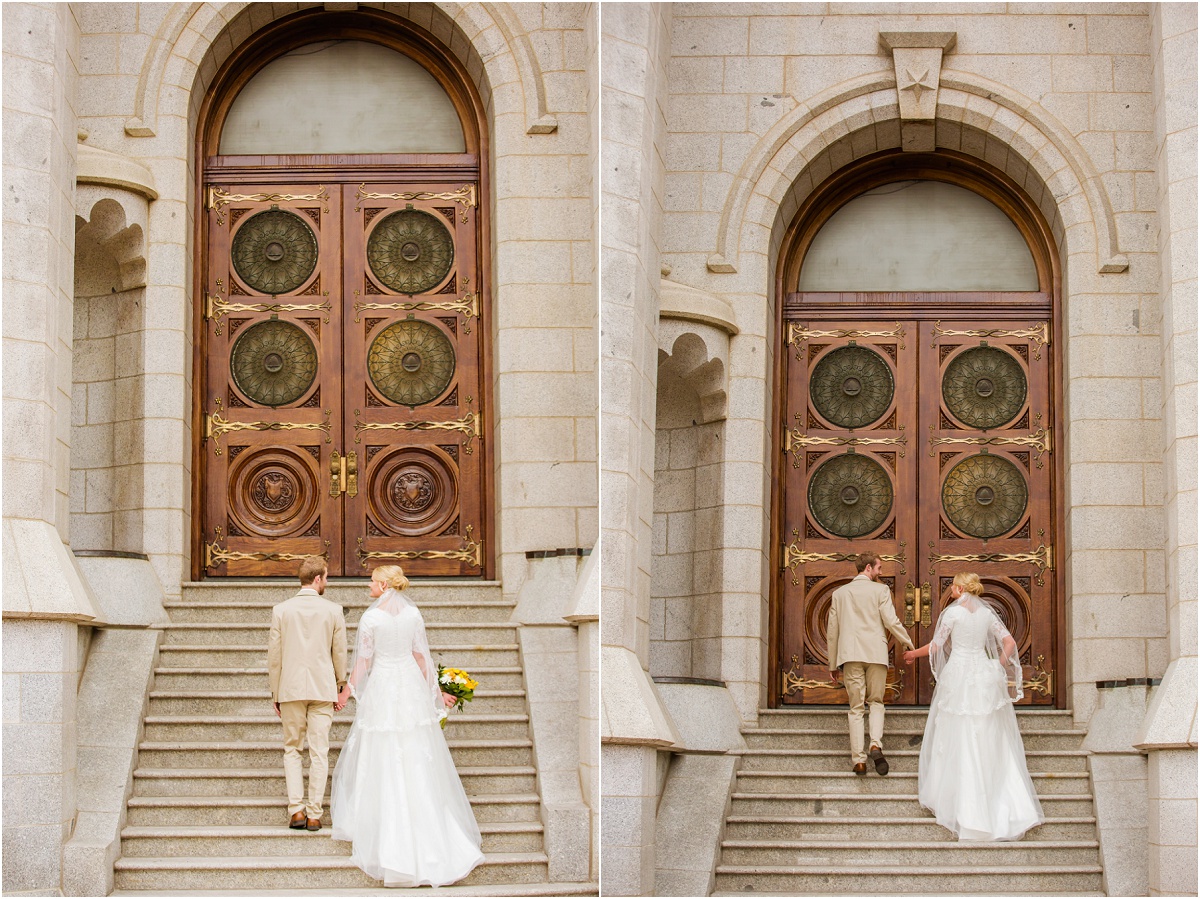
(396, 793)
(972, 773)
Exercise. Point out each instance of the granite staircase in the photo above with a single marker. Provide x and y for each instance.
(209, 806)
(802, 823)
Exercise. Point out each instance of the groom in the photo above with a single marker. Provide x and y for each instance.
(306, 662)
(861, 615)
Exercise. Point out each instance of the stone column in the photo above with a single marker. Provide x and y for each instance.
(635, 54)
(1169, 731)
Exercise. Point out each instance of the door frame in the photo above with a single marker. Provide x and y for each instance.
(818, 207)
(266, 45)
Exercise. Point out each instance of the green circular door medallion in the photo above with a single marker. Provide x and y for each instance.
(984, 387)
(985, 496)
(850, 495)
(274, 252)
(852, 386)
(411, 362)
(273, 363)
(410, 251)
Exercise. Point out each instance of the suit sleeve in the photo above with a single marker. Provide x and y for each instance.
(887, 612)
(339, 649)
(274, 659)
(831, 636)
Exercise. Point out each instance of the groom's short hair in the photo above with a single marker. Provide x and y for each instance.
(310, 568)
(862, 560)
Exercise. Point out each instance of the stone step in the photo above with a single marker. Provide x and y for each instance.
(850, 854)
(298, 872)
(468, 753)
(925, 830)
(823, 880)
(259, 610)
(867, 805)
(904, 782)
(903, 760)
(909, 717)
(896, 738)
(254, 680)
(469, 656)
(279, 840)
(423, 592)
(268, 780)
(245, 811)
(466, 725)
(241, 633)
(244, 702)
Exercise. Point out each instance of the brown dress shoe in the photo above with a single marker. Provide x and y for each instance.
(881, 765)
(314, 824)
(298, 821)
(860, 768)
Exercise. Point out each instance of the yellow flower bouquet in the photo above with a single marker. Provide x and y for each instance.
(458, 684)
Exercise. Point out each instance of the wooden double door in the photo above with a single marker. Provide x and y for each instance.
(928, 440)
(344, 370)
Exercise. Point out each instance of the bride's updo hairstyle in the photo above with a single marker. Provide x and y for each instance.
(970, 582)
(392, 575)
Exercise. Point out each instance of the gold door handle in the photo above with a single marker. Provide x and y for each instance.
(350, 469)
(337, 473)
(910, 599)
(926, 605)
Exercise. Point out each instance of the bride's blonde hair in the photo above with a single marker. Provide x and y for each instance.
(392, 575)
(970, 582)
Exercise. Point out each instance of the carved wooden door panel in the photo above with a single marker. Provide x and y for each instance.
(929, 443)
(413, 353)
(343, 379)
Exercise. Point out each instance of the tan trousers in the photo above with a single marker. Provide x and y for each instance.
(864, 681)
(312, 719)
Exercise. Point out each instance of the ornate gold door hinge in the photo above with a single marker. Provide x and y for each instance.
(471, 553)
(793, 558)
(343, 474)
(1039, 440)
(215, 427)
(793, 682)
(798, 333)
(464, 195)
(467, 307)
(470, 424)
(1042, 681)
(1039, 333)
(215, 554)
(1042, 557)
(794, 440)
(215, 307)
(215, 198)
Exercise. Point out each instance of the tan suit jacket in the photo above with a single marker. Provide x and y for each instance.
(861, 615)
(306, 655)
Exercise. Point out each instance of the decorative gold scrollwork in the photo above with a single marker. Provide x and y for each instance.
(471, 553)
(1039, 333)
(464, 195)
(1043, 680)
(926, 605)
(793, 682)
(467, 307)
(795, 439)
(217, 198)
(1039, 440)
(470, 424)
(1042, 557)
(215, 427)
(910, 603)
(215, 307)
(797, 333)
(793, 558)
(215, 554)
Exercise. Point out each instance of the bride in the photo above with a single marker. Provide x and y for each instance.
(972, 772)
(396, 793)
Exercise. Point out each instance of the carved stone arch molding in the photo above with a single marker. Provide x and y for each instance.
(853, 120)
(195, 38)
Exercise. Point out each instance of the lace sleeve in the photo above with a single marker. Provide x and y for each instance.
(940, 645)
(364, 651)
(1002, 647)
(424, 659)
